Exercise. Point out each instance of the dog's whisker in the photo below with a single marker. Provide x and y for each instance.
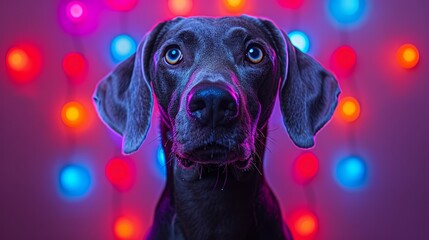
(272, 140)
(170, 159)
(260, 132)
(154, 139)
(217, 178)
(272, 129)
(226, 177)
(256, 167)
(258, 157)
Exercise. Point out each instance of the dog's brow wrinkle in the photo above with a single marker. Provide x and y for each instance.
(238, 34)
(187, 35)
(236, 31)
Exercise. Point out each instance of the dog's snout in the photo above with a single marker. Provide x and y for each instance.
(212, 104)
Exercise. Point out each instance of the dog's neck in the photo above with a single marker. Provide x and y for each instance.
(226, 206)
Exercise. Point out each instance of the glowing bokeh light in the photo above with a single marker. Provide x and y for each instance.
(304, 224)
(73, 114)
(235, 5)
(343, 60)
(180, 7)
(75, 66)
(347, 12)
(23, 63)
(122, 47)
(349, 109)
(75, 181)
(17, 59)
(122, 5)
(351, 172)
(306, 167)
(408, 56)
(292, 4)
(78, 17)
(160, 157)
(300, 40)
(121, 173)
(124, 228)
(76, 11)
(161, 165)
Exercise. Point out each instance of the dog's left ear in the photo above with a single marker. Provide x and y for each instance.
(308, 93)
(124, 98)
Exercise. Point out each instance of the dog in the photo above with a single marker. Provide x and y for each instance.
(216, 81)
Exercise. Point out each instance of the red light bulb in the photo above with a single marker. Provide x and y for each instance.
(121, 173)
(23, 63)
(306, 167)
(292, 4)
(75, 67)
(343, 60)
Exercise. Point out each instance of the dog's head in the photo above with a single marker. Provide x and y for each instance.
(216, 80)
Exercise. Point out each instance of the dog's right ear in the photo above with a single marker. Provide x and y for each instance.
(124, 98)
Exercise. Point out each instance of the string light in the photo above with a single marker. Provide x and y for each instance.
(23, 63)
(351, 172)
(124, 228)
(122, 47)
(347, 12)
(304, 224)
(306, 167)
(122, 5)
(76, 11)
(235, 5)
(408, 56)
(75, 181)
(17, 59)
(292, 4)
(180, 7)
(343, 60)
(300, 40)
(75, 66)
(349, 109)
(78, 17)
(73, 114)
(161, 161)
(120, 173)
(160, 156)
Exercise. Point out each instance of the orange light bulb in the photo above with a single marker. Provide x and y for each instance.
(235, 5)
(73, 114)
(349, 109)
(17, 59)
(306, 225)
(180, 7)
(124, 228)
(408, 56)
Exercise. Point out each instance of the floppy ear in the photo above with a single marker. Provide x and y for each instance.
(308, 93)
(124, 98)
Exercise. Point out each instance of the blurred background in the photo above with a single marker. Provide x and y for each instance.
(62, 174)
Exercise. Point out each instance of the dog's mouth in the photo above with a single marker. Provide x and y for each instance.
(213, 156)
(190, 163)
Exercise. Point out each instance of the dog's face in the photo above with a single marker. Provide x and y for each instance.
(213, 78)
(216, 80)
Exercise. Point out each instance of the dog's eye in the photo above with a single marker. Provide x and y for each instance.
(254, 54)
(173, 56)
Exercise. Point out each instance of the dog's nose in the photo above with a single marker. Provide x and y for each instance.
(212, 104)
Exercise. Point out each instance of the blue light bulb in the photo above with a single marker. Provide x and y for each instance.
(351, 172)
(122, 47)
(300, 40)
(75, 181)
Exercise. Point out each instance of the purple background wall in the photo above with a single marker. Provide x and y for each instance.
(391, 134)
